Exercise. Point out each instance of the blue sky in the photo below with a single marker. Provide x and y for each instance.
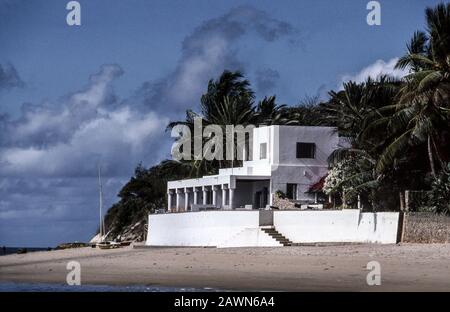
(71, 96)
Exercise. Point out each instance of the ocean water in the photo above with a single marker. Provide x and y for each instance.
(46, 287)
(13, 250)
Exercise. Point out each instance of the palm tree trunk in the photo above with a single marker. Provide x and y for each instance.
(402, 201)
(441, 162)
(430, 157)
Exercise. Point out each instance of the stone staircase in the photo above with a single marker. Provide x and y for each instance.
(276, 235)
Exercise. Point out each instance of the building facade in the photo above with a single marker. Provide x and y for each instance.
(282, 158)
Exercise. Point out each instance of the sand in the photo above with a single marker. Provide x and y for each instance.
(406, 267)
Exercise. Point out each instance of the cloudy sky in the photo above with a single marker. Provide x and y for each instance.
(71, 96)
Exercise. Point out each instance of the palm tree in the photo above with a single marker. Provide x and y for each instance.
(422, 112)
(231, 85)
(306, 113)
(229, 100)
(270, 113)
(352, 110)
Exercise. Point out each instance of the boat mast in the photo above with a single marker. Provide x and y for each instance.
(102, 224)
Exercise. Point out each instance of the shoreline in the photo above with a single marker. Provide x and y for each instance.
(405, 267)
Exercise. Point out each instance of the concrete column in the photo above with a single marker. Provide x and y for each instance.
(178, 201)
(195, 196)
(214, 196)
(205, 195)
(169, 201)
(186, 199)
(224, 196)
(231, 198)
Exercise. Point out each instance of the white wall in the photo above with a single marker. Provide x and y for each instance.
(241, 228)
(303, 176)
(325, 138)
(207, 228)
(337, 226)
(250, 237)
(287, 168)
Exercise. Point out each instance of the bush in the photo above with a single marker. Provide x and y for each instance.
(280, 194)
(440, 192)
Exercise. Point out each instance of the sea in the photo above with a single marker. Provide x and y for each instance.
(13, 250)
(47, 287)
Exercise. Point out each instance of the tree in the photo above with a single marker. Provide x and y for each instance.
(144, 193)
(421, 115)
(229, 100)
(440, 192)
(269, 113)
(351, 110)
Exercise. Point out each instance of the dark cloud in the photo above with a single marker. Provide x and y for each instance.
(266, 79)
(210, 49)
(48, 211)
(49, 155)
(69, 138)
(9, 78)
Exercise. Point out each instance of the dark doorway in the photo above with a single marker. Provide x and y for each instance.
(291, 191)
(262, 198)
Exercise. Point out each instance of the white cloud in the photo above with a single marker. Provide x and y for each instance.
(70, 139)
(212, 48)
(48, 156)
(375, 70)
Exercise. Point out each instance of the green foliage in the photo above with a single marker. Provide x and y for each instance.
(398, 131)
(143, 194)
(280, 194)
(422, 112)
(440, 192)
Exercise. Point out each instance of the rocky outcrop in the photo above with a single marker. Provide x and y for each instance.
(135, 233)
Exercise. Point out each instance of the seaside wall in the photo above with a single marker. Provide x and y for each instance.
(208, 228)
(337, 226)
(242, 228)
(426, 227)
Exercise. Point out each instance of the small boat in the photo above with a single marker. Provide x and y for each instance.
(108, 245)
(71, 245)
(103, 244)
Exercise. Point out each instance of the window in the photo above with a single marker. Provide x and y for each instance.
(291, 191)
(306, 150)
(263, 151)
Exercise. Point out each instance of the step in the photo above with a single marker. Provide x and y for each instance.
(272, 232)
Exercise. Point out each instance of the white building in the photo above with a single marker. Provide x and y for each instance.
(283, 158)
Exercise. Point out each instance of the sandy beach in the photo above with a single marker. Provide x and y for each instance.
(407, 267)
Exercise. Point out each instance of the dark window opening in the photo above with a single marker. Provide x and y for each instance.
(291, 191)
(306, 150)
